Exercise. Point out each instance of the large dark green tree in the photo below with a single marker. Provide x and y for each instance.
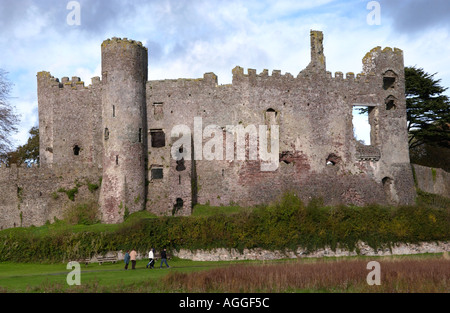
(428, 119)
(427, 109)
(8, 118)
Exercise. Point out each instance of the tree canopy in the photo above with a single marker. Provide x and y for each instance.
(427, 109)
(8, 118)
(26, 154)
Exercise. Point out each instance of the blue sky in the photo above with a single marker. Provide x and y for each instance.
(188, 38)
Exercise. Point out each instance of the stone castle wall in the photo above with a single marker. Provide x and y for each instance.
(432, 180)
(120, 128)
(314, 113)
(33, 196)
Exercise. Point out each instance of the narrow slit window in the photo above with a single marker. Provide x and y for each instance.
(114, 111)
(140, 134)
(117, 160)
(106, 133)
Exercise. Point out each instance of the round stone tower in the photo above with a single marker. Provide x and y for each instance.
(124, 70)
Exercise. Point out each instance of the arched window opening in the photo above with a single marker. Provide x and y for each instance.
(333, 159)
(177, 206)
(76, 150)
(391, 103)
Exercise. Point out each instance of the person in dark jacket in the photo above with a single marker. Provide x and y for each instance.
(126, 259)
(164, 258)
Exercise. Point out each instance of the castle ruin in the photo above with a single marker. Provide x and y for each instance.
(119, 130)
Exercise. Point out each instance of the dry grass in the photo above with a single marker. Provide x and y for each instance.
(397, 276)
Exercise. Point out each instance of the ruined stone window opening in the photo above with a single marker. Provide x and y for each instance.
(157, 173)
(388, 186)
(158, 138)
(271, 116)
(177, 206)
(386, 181)
(158, 111)
(286, 157)
(106, 133)
(333, 159)
(389, 79)
(364, 124)
(391, 103)
(76, 150)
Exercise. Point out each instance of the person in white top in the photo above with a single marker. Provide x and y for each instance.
(151, 262)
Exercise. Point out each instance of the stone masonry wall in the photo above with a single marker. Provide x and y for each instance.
(30, 196)
(120, 128)
(432, 180)
(69, 121)
(314, 115)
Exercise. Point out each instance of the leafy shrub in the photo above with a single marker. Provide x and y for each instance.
(83, 214)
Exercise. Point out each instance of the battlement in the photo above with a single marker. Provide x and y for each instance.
(75, 83)
(208, 79)
(123, 41)
(238, 73)
(239, 76)
(378, 57)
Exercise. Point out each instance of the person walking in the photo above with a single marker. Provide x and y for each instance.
(126, 259)
(151, 256)
(164, 258)
(133, 259)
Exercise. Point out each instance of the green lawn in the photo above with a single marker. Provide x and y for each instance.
(31, 277)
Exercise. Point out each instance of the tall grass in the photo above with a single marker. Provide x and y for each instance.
(403, 276)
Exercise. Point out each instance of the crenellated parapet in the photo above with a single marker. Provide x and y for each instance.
(66, 83)
(380, 60)
(125, 42)
(252, 77)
